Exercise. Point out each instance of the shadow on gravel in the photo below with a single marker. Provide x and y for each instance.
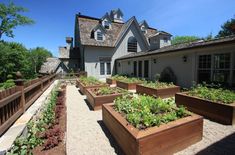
(224, 146)
(112, 141)
(88, 104)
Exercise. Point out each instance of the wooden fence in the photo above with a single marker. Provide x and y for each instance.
(14, 101)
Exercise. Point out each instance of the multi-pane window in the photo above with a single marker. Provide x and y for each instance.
(99, 36)
(105, 68)
(204, 68)
(165, 39)
(221, 68)
(132, 44)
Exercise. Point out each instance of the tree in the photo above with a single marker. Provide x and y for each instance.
(39, 56)
(183, 39)
(227, 29)
(10, 18)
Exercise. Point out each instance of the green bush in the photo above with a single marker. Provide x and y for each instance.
(145, 111)
(8, 84)
(217, 95)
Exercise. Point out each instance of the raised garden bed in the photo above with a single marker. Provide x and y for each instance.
(90, 82)
(222, 111)
(136, 137)
(102, 95)
(110, 81)
(128, 83)
(162, 90)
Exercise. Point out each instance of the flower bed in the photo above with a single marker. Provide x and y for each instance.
(215, 104)
(146, 125)
(158, 89)
(128, 83)
(46, 133)
(89, 82)
(112, 80)
(99, 96)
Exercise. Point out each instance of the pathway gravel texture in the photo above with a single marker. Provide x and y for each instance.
(87, 135)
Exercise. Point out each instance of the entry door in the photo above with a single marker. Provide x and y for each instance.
(146, 68)
(140, 68)
(135, 68)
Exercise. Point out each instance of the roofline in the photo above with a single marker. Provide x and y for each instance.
(89, 17)
(177, 50)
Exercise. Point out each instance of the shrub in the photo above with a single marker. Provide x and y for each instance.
(8, 84)
(168, 75)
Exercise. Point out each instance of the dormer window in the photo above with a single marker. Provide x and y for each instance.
(106, 25)
(99, 36)
(143, 29)
(165, 39)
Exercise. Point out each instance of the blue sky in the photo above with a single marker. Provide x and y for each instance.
(55, 18)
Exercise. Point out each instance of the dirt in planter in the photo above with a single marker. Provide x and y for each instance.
(59, 128)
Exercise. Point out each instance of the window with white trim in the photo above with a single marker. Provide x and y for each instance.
(105, 68)
(106, 25)
(132, 44)
(204, 68)
(99, 36)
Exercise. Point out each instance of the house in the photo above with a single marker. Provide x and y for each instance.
(103, 40)
(109, 45)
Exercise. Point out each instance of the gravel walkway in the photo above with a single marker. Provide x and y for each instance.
(86, 134)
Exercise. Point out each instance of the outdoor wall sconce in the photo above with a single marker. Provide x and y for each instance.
(154, 60)
(185, 58)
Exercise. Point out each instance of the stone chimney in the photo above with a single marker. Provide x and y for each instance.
(69, 41)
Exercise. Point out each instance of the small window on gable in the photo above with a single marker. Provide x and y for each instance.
(99, 36)
(132, 44)
(143, 29)
(165, 39)
(106, 25)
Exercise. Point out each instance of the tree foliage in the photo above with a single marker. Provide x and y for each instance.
(15, 57)
(228, 28)
(10, 18)
(39, 56)
(183, 39)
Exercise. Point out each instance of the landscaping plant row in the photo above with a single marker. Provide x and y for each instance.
(45, 133)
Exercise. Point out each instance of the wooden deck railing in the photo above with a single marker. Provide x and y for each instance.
(14, 101)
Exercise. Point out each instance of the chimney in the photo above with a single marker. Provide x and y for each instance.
(69, 41)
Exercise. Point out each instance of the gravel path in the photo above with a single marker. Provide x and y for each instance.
(86, 134)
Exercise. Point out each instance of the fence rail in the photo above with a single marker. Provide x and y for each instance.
(14, 101)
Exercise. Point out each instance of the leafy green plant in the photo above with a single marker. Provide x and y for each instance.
(156, 85)
(131, 80)
(8, 84)
(108, 91)
(89, 81)
(146, 111)
(217, 95)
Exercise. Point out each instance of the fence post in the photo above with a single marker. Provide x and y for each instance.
(20, 84)
(40, 79)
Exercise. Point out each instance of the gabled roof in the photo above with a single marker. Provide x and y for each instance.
(86, 24)
(144, 23)
(99, 26)
(160, 33)
(50, 66)
(116, 11)
(181, 47)
(106, 16)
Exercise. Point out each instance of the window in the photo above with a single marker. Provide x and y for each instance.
(108, 65)
(140, 68)
(102, 68)
(204, 68)
(106, 24)
(105, 68)
(132, 45)
(99, 36)
(165, 39)
(221, 68)
(146, 68)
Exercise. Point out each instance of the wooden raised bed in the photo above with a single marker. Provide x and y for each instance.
(165, 139)
(128, 86)
(161, 92)
(97, 101)
(110, 81)
(84, 88)
(222, 113)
